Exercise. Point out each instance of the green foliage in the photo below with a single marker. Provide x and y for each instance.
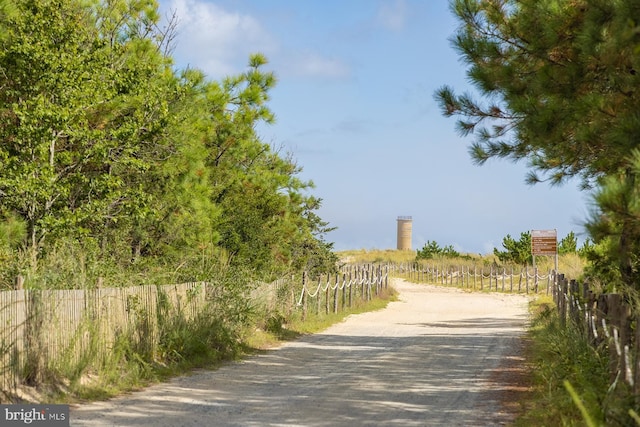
(516, 251)
(615, 225)
(79, 115)
(560, 354)
(12, 232)
(116, 168)
(568, 245)
(578, 401)
(560, 78)
(105, 143)
(196, 341)
(431, 250)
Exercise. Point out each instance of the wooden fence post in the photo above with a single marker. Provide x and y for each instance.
(369, 274)
(19, 282)
(318, 295)
(34, 357)
(326, 294)
(636, 365)
(613, 316)
(573, 301)
(386, 277)
(304, 296)
(344, 291)
(520, 281)
(565, 300)
(350, 289)
(335, 294)
(511, 280)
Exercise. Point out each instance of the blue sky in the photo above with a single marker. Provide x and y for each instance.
(354, 106)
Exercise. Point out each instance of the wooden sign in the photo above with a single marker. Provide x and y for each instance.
(544, 242)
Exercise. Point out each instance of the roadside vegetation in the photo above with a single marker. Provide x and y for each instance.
(119, 169)
(218, 335)
(558, 357)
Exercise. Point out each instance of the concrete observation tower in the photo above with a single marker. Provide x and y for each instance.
(405, 224)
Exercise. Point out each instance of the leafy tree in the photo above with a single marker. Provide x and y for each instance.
(516, 251)
(586, 247)
(104, 143)
(81, 112)
(310, 251)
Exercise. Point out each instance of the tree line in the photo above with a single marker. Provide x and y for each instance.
(112, 154)
(513, 251)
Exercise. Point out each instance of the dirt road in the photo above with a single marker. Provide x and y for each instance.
(428, 359)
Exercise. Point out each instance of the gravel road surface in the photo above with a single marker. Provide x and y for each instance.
(428, 359)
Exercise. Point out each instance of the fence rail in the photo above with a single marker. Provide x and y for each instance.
(491, 278)
(607, 321)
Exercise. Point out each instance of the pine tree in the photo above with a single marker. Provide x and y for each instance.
(559, 80)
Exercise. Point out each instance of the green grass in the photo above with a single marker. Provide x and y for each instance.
(280, 328)
(204, 343)
(570, 379)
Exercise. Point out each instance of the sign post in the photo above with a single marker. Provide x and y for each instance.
(545, 243)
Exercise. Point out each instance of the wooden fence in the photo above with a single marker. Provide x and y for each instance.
(606, 320)
(490, 278)
(47, 328)
(39, 327)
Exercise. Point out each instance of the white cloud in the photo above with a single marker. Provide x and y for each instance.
(216, 40)
(392, 15)
(219, 42)
(311, 64)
